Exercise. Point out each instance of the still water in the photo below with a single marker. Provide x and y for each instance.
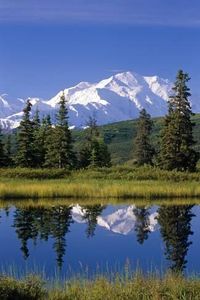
(68, 240)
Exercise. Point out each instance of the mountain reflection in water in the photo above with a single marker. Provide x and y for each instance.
(53, 225)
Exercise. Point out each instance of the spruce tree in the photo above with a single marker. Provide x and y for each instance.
(2, 152)
(177, 141)
(37, 143)
(8, 151)
(100, 156)
(144, 151)
(94, 152)
(25, 150)
(45, 138)
(60, 149)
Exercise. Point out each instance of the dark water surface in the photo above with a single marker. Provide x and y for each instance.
(66, 240)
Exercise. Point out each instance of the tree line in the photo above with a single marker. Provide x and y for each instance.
(39, 143)
(176, 150)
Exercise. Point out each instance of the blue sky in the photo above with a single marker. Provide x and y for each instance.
(49, 45)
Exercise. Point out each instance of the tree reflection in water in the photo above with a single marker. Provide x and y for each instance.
(175, 228)
(91, 213)
(142, 225)
(42, 223)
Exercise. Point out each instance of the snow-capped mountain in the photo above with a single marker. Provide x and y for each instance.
(121, 221)
(117, 98)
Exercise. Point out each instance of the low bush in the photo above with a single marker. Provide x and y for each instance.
(39, 174)
(30, 288)
(136, 287)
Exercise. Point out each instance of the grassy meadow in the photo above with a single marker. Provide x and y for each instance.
(99, 184)
(133, 287)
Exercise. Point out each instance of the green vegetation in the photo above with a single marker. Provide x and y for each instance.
(93, 151)
(120, 137)
(176, 152)
(121, 172)
(119, 182)
(144, 151)
(75, 188)
(168, 143)
(31, 288)
(59, 147)
(131, 287)
(39, 143)
(25, 140)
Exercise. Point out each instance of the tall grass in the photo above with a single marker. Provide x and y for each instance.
(136, 287)
(97, 189)
(115, 183)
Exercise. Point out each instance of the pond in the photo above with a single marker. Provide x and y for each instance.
(65, 240)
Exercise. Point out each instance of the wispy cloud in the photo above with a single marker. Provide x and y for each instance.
(130, 12)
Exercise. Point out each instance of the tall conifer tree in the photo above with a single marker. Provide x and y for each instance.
(8, 151)
(177, 136)
(60, 149)
(144, 151)
(25, 151)
(2, 152)
(94, 152)
(37, 142)
(45, 137)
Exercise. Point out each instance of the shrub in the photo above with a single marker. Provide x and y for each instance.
(30, 288)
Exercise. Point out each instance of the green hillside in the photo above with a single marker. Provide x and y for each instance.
(120, 137)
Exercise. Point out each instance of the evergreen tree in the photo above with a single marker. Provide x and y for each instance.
(177, 136)
(144, 151)
(45, 136)
(2, 153)
(84, 156)
(25, 150)
(175, 228)
(8, 151)
(100, 156)
(37, 142)
(92, 129)
(94, 152)
(60, 151)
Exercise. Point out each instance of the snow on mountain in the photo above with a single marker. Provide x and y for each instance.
(121, 221)
(117, 98)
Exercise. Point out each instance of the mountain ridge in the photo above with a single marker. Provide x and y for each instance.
(117, 98)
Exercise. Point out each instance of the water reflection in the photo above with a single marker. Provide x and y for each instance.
(42, 223)
(142, 225)
(55, 223)
(175, 228)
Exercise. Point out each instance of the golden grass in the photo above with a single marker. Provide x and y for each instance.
(97, 189)
(136, 287)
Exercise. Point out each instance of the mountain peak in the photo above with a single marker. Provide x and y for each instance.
(117, 98)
